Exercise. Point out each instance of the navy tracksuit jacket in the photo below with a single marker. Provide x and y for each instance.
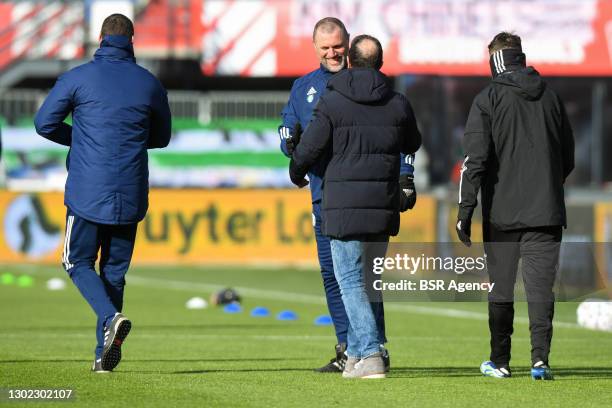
(119, 110)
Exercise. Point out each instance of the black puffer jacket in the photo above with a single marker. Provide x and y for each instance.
(365, 126)
(519, 147)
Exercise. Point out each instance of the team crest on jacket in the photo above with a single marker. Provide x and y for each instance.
(310, 95)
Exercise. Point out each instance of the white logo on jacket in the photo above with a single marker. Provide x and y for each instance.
(310, 94)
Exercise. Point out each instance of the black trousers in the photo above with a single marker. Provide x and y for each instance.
(538, 248)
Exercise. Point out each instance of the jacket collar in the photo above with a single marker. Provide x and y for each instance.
(115, 47)
(506, 60)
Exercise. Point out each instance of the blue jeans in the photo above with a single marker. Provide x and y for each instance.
(364, 337)
(332, 290)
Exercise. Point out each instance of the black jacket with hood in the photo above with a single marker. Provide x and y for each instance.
(364, 126)
(519, 147)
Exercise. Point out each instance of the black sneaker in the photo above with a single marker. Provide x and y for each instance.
(114, 336)
(97, 367)
(385, 357)
(336, 364)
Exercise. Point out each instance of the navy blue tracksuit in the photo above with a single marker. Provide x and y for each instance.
(119, 110)
(305, 94)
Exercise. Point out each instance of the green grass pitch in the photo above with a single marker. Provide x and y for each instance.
(180, 357)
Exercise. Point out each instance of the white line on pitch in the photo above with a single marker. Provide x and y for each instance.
(137, 280)
(319, 300)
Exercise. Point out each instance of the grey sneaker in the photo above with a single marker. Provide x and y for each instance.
(369, 367)
(349, 366)
(114, 336)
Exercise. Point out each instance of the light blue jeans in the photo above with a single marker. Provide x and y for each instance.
(364, 338)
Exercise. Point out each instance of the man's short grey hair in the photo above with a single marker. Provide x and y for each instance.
(329, 25)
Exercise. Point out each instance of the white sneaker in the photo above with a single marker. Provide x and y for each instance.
(349, 366)
(369, 367)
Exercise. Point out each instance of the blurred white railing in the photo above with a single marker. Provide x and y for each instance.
(19, 104)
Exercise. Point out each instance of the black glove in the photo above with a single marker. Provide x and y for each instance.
(464, 230)
(408, 195)
(295, 177)
(291, 138)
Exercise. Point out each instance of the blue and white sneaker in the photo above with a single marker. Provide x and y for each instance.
(489, 369)
(541, 371)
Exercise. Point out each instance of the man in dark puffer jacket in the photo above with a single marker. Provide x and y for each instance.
(365, 126)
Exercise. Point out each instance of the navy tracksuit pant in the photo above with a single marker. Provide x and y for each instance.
(103, 291)
(332, 290)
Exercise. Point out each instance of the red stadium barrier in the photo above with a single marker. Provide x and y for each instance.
(40, 30)
(446, 37)
(168, 27)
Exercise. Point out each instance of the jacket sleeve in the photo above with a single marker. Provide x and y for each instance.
(290, 119)
(161, 120)
(412, 138)
(406, 163)
(314, 142)
(49, 120)
(567, 143)
(476, 146)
